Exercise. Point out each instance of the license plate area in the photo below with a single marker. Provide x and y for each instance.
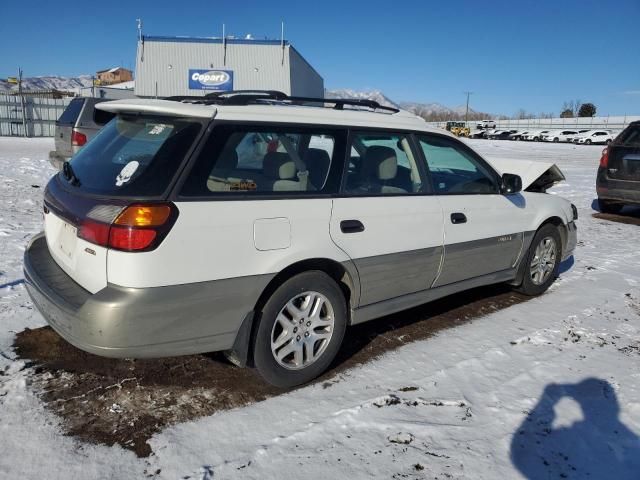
(67, 240)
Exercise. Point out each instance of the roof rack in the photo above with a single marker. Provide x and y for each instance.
(247, 97)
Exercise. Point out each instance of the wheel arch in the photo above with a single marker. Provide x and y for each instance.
(344, 274)
(562, 231)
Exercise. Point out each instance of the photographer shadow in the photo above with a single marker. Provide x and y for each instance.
(597, 446)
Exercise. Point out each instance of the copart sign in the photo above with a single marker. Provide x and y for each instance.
(221, 80)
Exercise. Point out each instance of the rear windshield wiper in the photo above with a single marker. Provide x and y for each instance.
(69, 174)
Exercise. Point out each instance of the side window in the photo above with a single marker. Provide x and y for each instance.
(259, 160)
(454, 169)
(382, 163)
(100, 117)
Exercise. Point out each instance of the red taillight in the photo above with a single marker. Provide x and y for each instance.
(95, 232)
(131, 239)
(604, 159)
(78, 139)
(136, 228)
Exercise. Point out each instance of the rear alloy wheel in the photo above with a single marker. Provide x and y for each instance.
(608, 142)
(300, 330)
(542, 261)
(609, 207)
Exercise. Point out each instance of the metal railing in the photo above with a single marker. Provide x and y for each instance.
(35, 118)
(615, 123)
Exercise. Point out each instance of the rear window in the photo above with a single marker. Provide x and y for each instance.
(71, 113)
(134, 156)
(630, 136)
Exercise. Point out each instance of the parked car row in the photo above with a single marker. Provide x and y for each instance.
(583, 136)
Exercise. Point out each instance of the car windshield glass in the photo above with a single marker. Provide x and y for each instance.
(134, 156)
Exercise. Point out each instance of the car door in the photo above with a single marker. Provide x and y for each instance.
(386, 219)
(484, 230)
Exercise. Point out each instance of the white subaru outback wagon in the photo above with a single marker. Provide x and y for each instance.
(264, 225)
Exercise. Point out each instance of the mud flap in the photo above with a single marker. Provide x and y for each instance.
(239, 354)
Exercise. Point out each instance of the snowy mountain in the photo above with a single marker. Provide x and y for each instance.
(431, 111)
(434, 108)
(67, 84)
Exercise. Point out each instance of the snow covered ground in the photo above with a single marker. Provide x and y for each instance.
(548, 388)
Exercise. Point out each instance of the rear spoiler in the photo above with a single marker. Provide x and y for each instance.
(158, 107)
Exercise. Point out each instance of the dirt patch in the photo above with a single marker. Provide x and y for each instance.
(125, 402)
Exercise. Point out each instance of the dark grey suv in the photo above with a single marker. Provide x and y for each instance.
(618, 181)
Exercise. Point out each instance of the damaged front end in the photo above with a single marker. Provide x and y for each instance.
(536, 176)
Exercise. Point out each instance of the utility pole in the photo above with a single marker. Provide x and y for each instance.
(24, 110)
(466, 115)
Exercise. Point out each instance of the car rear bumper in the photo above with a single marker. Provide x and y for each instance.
(139, 322)
(622, 191)
(56, 159)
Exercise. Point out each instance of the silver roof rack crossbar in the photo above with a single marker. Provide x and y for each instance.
(247, 97)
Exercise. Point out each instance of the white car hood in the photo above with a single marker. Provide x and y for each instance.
(543, 174)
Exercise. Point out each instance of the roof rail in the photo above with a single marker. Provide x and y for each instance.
(247, 97)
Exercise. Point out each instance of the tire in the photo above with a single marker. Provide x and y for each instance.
(538, 281)
(285, 310)
(556, 140)
(608, 142)
(609, 207)
(588, 141)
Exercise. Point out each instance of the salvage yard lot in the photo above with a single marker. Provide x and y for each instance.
(487, 384)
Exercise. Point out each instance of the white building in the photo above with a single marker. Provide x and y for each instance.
(167, 66)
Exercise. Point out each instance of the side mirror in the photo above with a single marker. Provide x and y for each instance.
(510, 184)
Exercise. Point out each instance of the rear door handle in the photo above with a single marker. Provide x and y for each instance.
(351, 226)
(458, 217)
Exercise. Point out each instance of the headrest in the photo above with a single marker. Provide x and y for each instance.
(278, 165)
(228, 159)
(381, 161)
(317, 162)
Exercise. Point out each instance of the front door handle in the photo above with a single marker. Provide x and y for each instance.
(458, 217)
(351, 226)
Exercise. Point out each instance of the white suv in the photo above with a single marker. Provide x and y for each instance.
(559, 135)
(596, 137)
(536, 135)
(259, 226)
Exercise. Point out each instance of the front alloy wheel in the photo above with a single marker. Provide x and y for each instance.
(544, 260)
(540, 266)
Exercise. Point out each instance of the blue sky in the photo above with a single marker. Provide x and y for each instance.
(529, 54)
